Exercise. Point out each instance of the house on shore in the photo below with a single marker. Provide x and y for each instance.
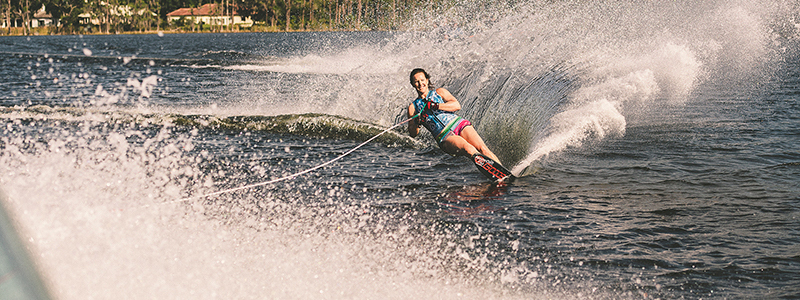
(124, 12)
(209, 14)
(40, 18)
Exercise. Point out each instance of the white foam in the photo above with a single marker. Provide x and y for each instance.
(598, 119)
(89, 202)
(620, 84)
(358, 60)
(633, 63)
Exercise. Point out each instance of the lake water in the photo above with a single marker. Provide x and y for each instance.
(657, 152)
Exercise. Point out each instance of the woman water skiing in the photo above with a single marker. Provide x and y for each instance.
(455, 135)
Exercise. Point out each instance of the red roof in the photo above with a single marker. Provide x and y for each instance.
(205, 10)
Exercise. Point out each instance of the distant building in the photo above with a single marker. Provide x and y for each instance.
(123, 11)
(14, 23)
(211, 14)
(41, 18)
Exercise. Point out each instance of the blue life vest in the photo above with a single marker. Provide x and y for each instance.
(438, 122)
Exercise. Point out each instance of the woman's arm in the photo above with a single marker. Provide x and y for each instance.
(450, 103)
(413, 125)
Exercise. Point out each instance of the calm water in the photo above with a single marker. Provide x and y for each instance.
(658, 153)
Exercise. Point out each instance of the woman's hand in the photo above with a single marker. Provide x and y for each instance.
(431, 105)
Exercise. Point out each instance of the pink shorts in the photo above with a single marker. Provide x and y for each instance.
(456, 130)
(464, 123)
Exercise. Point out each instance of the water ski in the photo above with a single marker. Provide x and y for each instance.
(491, 169)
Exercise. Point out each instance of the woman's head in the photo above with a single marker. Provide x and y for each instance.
(420, 80)
(417, 71)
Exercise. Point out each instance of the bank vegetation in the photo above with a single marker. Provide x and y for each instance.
(117, 16)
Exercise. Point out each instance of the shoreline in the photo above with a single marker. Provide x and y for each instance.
(45, 31)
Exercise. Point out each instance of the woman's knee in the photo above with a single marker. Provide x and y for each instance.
(473, 138)
(457, 145)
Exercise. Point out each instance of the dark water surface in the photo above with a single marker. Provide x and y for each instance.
(654, 165)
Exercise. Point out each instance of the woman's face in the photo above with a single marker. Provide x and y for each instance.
(420, 83)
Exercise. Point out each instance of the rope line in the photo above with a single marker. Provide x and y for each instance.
(295, 174)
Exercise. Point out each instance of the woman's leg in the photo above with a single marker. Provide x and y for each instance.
(457, 145)
(471, 136)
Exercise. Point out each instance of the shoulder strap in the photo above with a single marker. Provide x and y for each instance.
(433, 96)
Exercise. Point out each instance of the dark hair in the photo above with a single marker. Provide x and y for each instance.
(415, 72)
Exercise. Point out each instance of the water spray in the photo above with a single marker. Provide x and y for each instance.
(292, 176)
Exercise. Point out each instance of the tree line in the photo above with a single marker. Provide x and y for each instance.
(108, 16)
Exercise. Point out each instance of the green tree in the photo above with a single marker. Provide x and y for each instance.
(6, 6)
(67, 12)
(287, 8)
(20, 9)
(119, 15)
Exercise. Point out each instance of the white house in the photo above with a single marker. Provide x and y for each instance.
(41, 18)
(210, 14)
